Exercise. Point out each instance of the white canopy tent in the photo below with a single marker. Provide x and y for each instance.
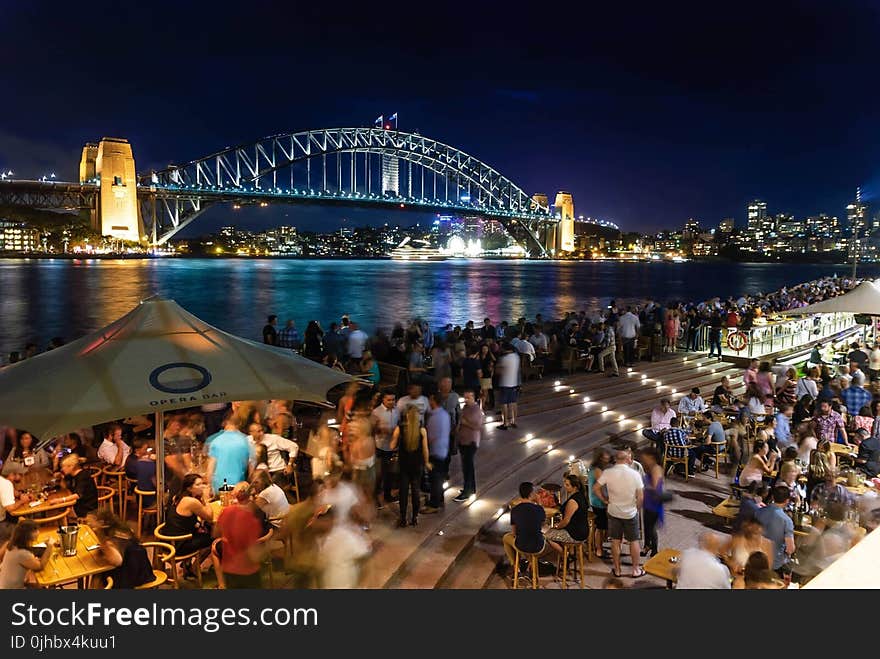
(157, 357)
(863, 299)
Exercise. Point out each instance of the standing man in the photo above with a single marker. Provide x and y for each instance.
(608, 350)
(279, 470)
(778, 529)
(715, 327)
(385, 419)
(270, 334)
(507, 370)
(113, 451)
(357, 342)
(289, 336)
(413, 397)
(229, 456)
(438, 428)
(628, 327)
(470, 429)
(624, 500)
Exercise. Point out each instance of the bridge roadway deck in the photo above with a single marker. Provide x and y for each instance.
(431, 555)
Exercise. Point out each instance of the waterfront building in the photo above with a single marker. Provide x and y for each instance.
(822, 225)
(17, 237)
(727, 226)
(757, 214)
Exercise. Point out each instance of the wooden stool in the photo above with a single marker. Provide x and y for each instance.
(143, 511)
(162, 553)
(533, 567)
(177, 559)
(116, 479)
(591, 532)
(576, 549)
(128, 495)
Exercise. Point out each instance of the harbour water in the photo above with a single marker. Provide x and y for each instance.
(68, 298)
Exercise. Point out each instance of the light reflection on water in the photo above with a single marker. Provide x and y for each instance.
(40, 299)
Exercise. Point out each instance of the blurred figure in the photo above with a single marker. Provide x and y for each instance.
(241, 553)
(700, 568)
(303, 560)
(122, 549)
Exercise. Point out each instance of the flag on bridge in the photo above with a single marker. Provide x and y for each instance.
(379, 120)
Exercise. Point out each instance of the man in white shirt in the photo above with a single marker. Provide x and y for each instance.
(661, 419)
(540, 342)
(507, 370)
(113, 450)
(628, 326)
(7, 503)
(275, 444)
(699, 567)
(414, 397)
(692, 403)
(357, 342)
(624, 500)
(524, 348)
(385, 419)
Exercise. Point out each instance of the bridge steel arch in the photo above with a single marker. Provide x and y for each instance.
(178, 194)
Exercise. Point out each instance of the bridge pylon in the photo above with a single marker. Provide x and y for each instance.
(116, 212)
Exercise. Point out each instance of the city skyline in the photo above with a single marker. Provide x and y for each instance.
(647, 115)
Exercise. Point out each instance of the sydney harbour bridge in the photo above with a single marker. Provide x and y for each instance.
(363, 167)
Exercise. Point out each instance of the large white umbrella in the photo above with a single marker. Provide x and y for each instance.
(157, 357)
(864, 298)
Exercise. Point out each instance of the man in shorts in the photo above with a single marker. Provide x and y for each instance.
(507, 370)
(625, 495)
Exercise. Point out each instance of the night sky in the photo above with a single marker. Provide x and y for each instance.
(649, 114)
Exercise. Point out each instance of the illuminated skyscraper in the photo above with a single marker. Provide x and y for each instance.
(856, 215)
(757, 215)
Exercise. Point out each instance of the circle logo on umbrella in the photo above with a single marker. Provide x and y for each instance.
(180, 378)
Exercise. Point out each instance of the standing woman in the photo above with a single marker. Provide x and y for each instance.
(601, 461)
(487, 368)
(313, 341)
(573, 527)
(411, 440)
(764, 380)
(653, 501)
(673, 325)
(786, 392)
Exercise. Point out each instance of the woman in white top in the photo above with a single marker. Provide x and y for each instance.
(23, 458)
(756, 403)
(874, 362)
(759, 465)
(806, 445)
(269, 497)
(17, 558)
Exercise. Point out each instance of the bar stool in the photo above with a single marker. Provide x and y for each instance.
(591, 532)
(144, 511)
(576, 549)
(129, 495)
(192, 557)
(117, 481)
(162, 553)
(533, 566)
(105, 497)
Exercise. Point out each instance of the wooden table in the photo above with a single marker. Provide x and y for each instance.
(659, 565)
(727, 509)
(842, 449)
(54, 502)
(63, 569)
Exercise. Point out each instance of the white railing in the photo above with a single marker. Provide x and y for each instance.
(785, 335)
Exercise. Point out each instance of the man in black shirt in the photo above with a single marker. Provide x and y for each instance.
(270, 334)
(80, 482)
(526, 522)
(868, 459)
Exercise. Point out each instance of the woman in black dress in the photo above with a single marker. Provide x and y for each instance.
(411, 438)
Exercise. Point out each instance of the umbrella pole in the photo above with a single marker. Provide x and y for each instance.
(160, 466)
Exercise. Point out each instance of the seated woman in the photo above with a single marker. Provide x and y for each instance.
(573, 527)
(757, 574)
(755, 402)
(189, 512)
(18, 556)
(760, 464)
(24, 458)
(121, 548)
